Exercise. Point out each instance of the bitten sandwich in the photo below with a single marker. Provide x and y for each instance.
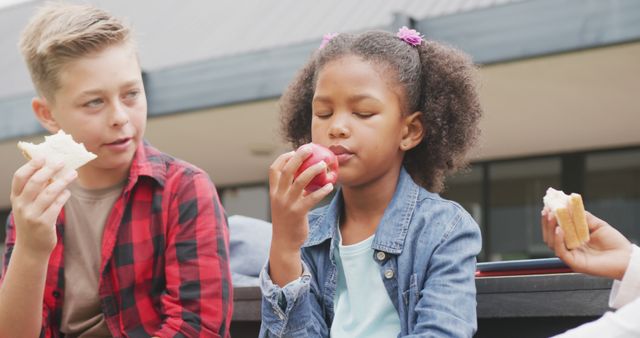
(569, 212)
(60, 146)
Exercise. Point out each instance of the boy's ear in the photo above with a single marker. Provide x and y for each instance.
(413, 132)
(42, 110)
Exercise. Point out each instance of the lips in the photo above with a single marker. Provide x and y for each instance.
(340, 150)
(119, 141)
(343, 153)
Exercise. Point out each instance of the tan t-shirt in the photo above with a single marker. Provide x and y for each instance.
(86, 213)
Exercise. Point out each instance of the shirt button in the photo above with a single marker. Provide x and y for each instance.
(388, 274)
(380, 255)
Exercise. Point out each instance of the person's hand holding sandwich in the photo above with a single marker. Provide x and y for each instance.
(590, 245)
(605, 252)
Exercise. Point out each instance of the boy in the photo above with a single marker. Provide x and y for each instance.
(140, 242)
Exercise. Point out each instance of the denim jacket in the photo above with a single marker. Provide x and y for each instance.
(426, 248)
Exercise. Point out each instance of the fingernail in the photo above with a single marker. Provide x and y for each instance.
(329, 186)
(72, 174)
(58, 163)
(305, 148)
(322, 164)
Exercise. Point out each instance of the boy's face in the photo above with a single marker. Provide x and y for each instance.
(101, 102)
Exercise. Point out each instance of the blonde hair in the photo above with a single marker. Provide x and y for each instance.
(59, 33)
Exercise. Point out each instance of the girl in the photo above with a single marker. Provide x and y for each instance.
(386, 257)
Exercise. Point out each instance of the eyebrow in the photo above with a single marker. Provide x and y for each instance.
(98, 91)
(352, 99)
(321, 98)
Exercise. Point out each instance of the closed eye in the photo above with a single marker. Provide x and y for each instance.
(363, 115)
(322, 115)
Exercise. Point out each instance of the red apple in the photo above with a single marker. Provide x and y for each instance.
(320, 153)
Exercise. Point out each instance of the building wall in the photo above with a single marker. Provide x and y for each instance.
(559, 104)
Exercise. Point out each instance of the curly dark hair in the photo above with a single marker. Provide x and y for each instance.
(437, 80)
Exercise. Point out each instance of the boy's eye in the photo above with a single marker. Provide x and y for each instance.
(132, 94)
(94, 103)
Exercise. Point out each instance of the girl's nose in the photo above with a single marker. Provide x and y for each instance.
(339, 129)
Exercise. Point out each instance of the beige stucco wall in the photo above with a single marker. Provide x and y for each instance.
(573, 101)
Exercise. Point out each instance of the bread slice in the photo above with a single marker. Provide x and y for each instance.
(579, 217)
(569, 212)
(59, 147)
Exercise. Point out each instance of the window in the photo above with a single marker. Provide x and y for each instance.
(515, 202)
(466, 188)
(251, 201)
(505, 197)
(612, 189)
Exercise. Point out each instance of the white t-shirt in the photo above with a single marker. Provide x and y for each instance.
(625, 296)
(362, 307)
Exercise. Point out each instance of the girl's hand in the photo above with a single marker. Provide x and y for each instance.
(289, 201)
(36, 203)
(289, 207)
(606, 254)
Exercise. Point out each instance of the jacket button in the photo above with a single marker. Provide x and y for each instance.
(55, 294)
(380, 255)
(388, 274)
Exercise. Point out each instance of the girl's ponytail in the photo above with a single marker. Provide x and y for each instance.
(451, 112)
(295, 105)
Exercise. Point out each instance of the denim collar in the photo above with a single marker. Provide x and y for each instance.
(393, 227)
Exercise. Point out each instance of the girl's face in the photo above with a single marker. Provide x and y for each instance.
(357, 113)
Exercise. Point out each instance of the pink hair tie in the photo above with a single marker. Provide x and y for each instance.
(410, 36)
(326, 38)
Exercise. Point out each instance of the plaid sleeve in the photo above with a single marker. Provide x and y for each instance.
(198, 297)
(9, 242)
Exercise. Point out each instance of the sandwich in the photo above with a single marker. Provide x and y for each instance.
(569, 212)
(58, 147)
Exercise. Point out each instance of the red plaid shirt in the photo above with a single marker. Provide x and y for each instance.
(165, 262)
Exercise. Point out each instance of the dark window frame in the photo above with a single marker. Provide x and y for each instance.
(572, 178)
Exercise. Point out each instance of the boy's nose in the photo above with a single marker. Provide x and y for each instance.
(119, 117)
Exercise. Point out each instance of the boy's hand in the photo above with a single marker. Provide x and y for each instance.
(36, 203)
(289, 207)
(606, 254)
